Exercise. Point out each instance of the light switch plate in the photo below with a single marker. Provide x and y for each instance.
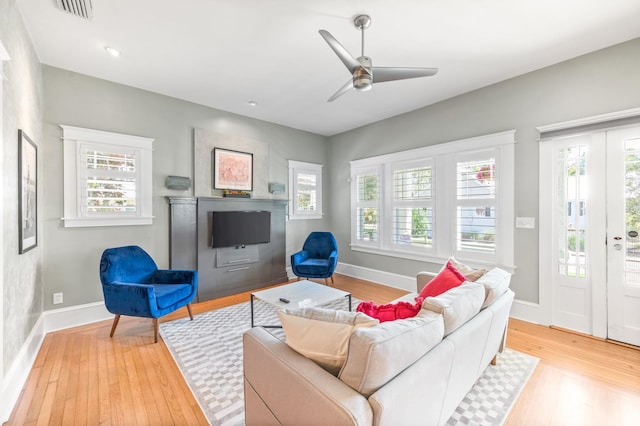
(526, 222)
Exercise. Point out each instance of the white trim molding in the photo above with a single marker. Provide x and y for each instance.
(17, 376)
(602, 118)
(80, 144)
(389, 279)
(49, 321)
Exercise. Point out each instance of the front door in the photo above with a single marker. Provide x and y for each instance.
(593, 199)
(623, 227)
(574, 231)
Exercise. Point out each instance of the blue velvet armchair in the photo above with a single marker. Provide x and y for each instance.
(133, 285)
(318, 257)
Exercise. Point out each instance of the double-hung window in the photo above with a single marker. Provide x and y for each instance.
(367, 206)
(412, 204)
(305, 190)
(475, 233)
(107, 178)
(430, 203)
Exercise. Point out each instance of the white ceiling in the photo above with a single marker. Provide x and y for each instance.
(225, 53)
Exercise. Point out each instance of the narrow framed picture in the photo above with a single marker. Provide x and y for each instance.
(232, 170)
(28, 192)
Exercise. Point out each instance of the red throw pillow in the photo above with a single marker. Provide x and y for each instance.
(446, 279)
(390, 311)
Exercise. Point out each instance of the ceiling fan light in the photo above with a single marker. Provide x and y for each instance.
(362, 80)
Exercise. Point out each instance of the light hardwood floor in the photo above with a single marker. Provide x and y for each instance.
(81, 376)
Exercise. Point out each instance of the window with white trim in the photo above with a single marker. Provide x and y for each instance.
(107, 178)
(430, 203)
(475, 234)
(305, 190)
(412, 201)
(367, 206)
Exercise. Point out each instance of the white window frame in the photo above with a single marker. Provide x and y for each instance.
(443, 159)
(76, 141)
(356, 204)
(390, 203)
(296, 168)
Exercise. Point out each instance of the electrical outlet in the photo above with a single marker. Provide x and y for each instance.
(57, 298)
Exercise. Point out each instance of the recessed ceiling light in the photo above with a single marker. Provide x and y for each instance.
(112, 51)
(253, 103)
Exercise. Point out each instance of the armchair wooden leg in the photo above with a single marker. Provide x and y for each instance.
(332, 280)
(115, 324)
(156, 322)
(189, 310)
(494, 361)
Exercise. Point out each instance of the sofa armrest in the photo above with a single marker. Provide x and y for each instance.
(284, 387)
(423, 278)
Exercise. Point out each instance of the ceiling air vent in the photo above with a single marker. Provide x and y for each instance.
(81, 8)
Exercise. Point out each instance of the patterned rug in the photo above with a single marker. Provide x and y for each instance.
(208, 351)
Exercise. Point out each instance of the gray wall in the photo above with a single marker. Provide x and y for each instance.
(22, 109)
(601, 82)
(72, 255)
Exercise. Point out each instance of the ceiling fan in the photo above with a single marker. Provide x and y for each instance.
(363, 73)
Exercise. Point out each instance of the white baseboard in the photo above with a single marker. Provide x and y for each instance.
(17, 375)
(528, 311)
(381, 277)
(49, 321)
(74, 316)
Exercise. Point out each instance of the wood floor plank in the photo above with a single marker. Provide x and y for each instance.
(104, 396)
(146, 382)
(133, 397)
(90, 386)
(128, 379)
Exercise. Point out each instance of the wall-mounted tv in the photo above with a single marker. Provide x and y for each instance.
(240, 228)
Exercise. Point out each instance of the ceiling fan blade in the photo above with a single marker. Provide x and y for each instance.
(381, 74)
(349, 61)
(344, 89)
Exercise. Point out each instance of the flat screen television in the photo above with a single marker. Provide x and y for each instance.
(240, 228)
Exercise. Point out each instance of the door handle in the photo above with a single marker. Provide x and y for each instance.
(617, 238)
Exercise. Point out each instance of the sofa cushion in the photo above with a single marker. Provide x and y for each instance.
(378, 354)
(391, 311)
(471, 274)
(322, 335)
(457, 305)
(446, 279)
(495, 283)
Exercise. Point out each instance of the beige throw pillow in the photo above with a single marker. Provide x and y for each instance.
(469, 273)
(322, 335)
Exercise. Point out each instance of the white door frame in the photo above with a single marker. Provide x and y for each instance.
(4, 56)
(546, 261)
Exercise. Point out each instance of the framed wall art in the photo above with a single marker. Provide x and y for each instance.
(232, 170)
(27, 192)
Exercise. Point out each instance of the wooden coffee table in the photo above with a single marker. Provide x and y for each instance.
(300, 294)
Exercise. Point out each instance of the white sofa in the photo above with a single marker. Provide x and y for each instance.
(404, 372)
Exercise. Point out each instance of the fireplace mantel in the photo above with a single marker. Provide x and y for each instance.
(230, 270)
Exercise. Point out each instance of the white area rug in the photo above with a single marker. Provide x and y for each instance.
(208, 351)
